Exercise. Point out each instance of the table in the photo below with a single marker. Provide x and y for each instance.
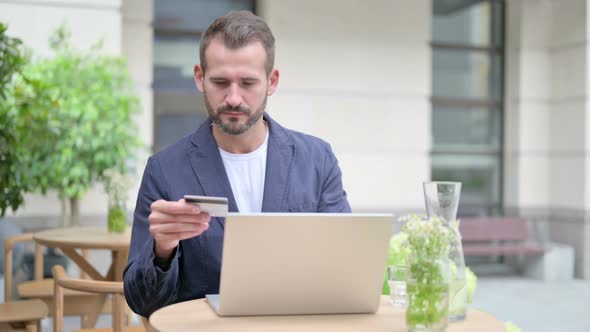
(68, 240)
(196, 315)
(95, 238)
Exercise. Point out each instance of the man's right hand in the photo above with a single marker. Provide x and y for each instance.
(171, 222)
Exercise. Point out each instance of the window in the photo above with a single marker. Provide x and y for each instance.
(467, 93)
(178, 26)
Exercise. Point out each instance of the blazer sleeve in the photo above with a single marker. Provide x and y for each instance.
(148, 287)
(333, 197)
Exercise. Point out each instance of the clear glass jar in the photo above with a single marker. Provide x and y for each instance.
(458, 277)
(442, 200)
(428, 293)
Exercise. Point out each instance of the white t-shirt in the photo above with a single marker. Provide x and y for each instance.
(246, 174)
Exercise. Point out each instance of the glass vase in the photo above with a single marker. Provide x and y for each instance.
(427, 288)
(442, 200)
(117, 217)
(458, 275)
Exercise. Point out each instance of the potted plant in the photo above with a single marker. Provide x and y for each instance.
(24, 111)
(12, 183)
(25, 138)
(428, 277)
(91, 120)
(65, 120)
(117, 186)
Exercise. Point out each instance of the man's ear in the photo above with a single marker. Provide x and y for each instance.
(273, 81)
(199, 76)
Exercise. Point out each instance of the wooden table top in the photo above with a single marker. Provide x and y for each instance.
(84, 238)
(196, 315)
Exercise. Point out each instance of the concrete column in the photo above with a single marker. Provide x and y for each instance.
(568, 129)
(546, 120)
(137, 46)
(527, 104)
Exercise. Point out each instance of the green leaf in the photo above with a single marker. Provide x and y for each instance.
(66, 118)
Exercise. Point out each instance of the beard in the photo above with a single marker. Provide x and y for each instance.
(233, 125)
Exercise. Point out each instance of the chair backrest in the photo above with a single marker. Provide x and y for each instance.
(494, 229)
(9, 243)
(115, 288)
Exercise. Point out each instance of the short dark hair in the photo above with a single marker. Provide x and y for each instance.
(237, 29)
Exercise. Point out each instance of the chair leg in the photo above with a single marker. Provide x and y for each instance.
(38, 269)
(31, 326)
(119, 313)
(7, 272)
(146, 324)
(58, 309)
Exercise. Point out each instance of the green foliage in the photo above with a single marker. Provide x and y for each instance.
(11, 58)
(117, 186)
(471, 280)
(428, 271)
(117, 219)
(27, 138)
(65, 119)
(511, 327)
(92, 122)
(398, 255)
(428, 291)
(11, 180)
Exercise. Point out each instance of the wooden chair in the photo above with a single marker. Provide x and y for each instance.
(77, 303)
(114, 288)
(23, 315)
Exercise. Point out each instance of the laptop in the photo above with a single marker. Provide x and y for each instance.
(300, 263)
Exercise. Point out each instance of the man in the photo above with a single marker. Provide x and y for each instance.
(241, 153)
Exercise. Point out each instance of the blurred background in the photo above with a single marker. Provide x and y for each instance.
(491, 93)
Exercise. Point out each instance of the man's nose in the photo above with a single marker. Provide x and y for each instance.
(233, 97)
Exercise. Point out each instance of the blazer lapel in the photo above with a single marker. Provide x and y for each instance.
(279, 161)
(208, 166)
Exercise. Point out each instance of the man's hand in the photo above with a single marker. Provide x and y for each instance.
(171, 222)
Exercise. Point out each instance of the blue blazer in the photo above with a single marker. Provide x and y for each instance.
(302, 175)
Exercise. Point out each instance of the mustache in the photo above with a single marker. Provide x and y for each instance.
(232, 109)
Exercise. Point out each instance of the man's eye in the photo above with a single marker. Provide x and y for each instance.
(248, 83)
(220, 83)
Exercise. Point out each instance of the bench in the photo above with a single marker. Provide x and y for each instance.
(497, 236)
(509, 237)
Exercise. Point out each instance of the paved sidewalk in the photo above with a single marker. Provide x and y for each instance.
(536, 306)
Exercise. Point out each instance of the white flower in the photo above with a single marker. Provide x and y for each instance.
(117, 185)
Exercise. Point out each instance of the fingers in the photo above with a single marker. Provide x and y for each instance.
(179, 207)
(166, 238)
(157, 217)
(171, 222)
(171, 228)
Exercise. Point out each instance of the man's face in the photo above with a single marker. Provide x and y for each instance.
(235, 85)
